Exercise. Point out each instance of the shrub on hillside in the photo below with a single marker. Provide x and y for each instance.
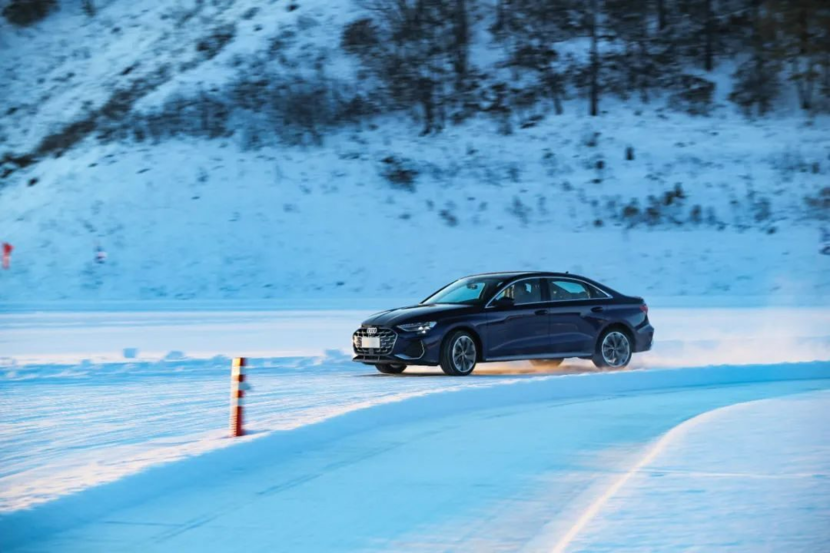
(667, 208)
(696, 215)
(359, 36)
(756, 85)
(28, 12)
(819, 203)
(203, 115)
(399, 172)
(692, 95)
(60, 141)
(448, 215)
(295, 108)
(519, 210)
(214, 42)
(261, 106)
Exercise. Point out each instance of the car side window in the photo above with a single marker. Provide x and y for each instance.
(524, 291)
(564, 290)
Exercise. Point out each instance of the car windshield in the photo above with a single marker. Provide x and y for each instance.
(469, 291)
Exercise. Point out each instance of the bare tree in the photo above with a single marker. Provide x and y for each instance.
(531, 32)
(89, 7)
(661, 14)
(756, 81)
(461, 33)
(804, 43)
(594, 71)
(709, 32)
(414, 47)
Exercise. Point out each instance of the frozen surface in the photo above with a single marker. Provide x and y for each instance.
(114, 423)
(750, 477)
(694, 333)
(489, 469)
(85, 425)
(113, 417)
(93, 416)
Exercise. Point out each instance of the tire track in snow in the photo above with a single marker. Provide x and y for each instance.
(658, 447)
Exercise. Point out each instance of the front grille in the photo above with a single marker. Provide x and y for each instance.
(387, 341)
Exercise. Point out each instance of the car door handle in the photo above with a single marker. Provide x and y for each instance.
(541, 311)
(598, 309)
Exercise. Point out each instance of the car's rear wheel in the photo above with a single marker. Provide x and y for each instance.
(459, 354)
(391, 368)
(546, 363)
(613, 349)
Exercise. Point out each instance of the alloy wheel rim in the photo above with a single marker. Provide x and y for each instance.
(615, 349)
(464, 354)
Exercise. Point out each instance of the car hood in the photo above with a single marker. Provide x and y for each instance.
(415, 314)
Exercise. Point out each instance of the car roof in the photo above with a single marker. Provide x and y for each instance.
(515, 275)
(518, 274)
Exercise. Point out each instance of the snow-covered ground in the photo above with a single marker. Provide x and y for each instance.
(319, 224)
(690, 332)
(533, 463)
(730, 484)
(114, 375)
(90, 424)
(194, 219)
(93, 416)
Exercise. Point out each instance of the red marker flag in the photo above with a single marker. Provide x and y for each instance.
(7, 255)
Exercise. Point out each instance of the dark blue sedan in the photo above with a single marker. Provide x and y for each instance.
(537, 316)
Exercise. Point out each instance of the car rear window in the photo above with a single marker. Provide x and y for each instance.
(564, 290)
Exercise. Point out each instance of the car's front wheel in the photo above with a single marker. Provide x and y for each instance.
(391, 368)
(459, 354)
(613, 350)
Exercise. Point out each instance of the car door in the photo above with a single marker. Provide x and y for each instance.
(570, 310)
(521, 329)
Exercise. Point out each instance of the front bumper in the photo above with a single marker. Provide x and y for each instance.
(409, 348)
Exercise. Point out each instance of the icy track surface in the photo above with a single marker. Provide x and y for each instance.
(507, 459)
(76, 413)
(753, 476)
(550, 464)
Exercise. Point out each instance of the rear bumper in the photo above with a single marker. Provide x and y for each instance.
(409, 348)
(643, 337)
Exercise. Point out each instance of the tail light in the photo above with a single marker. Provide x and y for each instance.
(644, 308)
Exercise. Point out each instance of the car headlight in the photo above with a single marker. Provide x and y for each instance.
(423, 328)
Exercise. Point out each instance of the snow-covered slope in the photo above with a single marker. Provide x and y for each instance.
(708, 205)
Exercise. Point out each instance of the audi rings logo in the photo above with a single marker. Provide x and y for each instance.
(371, 331)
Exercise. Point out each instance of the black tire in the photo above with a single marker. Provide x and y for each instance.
(618, 350)
(546, 363)
(462, 341)
(390, 368)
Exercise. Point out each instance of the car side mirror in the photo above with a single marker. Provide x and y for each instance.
(504, 301)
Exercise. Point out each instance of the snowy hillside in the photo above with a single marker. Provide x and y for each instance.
(651, 200)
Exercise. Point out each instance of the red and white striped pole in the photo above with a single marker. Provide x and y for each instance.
(7, 255)
(238, 387)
